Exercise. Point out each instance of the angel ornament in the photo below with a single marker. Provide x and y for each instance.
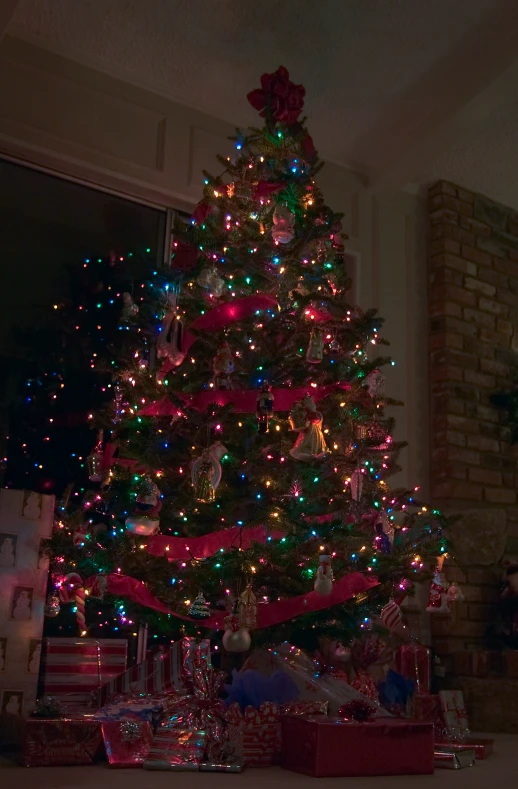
(310, 444)
(170, 343)
(375, 383)
(206, 472)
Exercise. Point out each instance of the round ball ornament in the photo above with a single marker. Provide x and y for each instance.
(283, 221)
(235, 637)
(143, 525)
(391, 616)
(52, 606)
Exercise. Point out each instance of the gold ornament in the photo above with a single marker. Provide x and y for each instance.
(94, 461)
(248, 609)
(204, 488)
(315, 352)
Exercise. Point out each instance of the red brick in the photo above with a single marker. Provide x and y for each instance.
(465, 209)
(479, 379)
(456, 574)
(480, 612)
(461, 327)
(443, 201)
(442, 187)
(475, 255)
(461, 423)
(511, 299)
(493, 277)
(458, 439)
(505, 327)
(497, 368)
(507, 267)
(480, 318)
(479, 228)
(450, 230)
(496, 337)
(458, 490)
(455, 262)
(485, 476)
(446, 372)
(465, 196)
(444, 245)
(481, 577)
(483, 443)
(450, 308)
(463, 455)
(478, 348)
(450, 471)
(476, 594)
(457, 358)
(490, 305)
(471, 629)
(478, 285)
(444, 215)
(500, 495)
(445, 340)
(444, 292)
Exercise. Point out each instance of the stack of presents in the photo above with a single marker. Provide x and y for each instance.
(175, 711)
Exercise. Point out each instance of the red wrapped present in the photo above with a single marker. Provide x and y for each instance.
(483, 746)
(74, 669)
(414, 662)
(254, 734)
(427, 707)
(176, 749)
(60, 741)
(332, 747)
(127, 743)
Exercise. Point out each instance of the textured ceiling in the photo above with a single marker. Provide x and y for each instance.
(376, 71)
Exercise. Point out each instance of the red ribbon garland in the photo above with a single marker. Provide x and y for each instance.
(268, 614)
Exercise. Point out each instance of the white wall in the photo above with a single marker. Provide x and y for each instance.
(75, 121)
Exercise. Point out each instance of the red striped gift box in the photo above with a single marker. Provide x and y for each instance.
(156, 675)
(73, 669)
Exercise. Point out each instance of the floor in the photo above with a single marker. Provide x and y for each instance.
(500, 771)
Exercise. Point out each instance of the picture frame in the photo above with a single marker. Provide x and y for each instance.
(12, 702)
(8, 550)
(20, 609)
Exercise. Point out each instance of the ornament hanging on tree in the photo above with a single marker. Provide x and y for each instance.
(356, 484)
(206, 472)
(438, 595)
(145, 520)
(211, 281)
(375, 383)
(94, 461)
(324, 580)
(315, 352)
(129, 308)
(310, 444)
(200, 608)
(248, 609)
(283, 224)
(72, 591)
(264, 409)
(223, 366)
(52, 606)
(235, 638)
(391, 616)
(170, 343)
(455, 597)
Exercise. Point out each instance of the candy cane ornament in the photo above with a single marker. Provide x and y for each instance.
(72, 590)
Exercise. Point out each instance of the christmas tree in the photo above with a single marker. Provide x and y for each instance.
(249, 463)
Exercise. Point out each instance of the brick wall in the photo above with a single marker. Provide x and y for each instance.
(473, 342)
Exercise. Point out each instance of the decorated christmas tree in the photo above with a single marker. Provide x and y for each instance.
(245, 461)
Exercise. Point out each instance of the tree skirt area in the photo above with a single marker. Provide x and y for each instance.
(499, 770)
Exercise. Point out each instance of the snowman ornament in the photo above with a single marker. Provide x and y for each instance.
(324, 580)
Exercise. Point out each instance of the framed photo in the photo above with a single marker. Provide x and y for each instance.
(12, 702)
(32, 505)
(8, 547)
(21, 605)
(34, 656)
(3, 653)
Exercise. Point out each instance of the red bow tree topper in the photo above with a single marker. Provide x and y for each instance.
(278, 97)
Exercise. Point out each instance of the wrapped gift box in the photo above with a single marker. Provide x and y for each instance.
(176, 749)
(127, 743)
(320, 746)
(333, 689)
(254, 733)
(453, 758)
(75, 669)
(427, 707)
(454, 714)
(483, 746)
(414, 662)
(60, 741)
